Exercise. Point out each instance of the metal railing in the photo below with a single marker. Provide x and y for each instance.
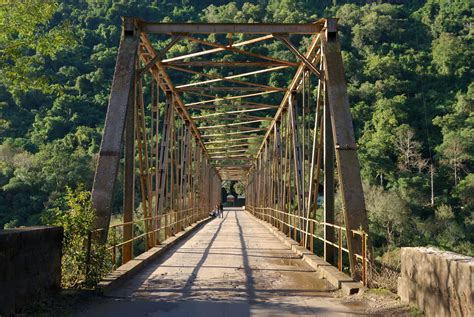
(341, 245)
(160, 228)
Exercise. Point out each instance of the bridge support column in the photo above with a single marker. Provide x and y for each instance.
(109, 156)
(345, 147)
(329, 217)
(128, 185)
(297, 156)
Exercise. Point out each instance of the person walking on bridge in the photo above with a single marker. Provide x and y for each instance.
(221, 210)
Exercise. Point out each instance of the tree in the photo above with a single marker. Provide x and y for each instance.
(457, 126)
(378, 137)
(404, 64)
(451, 55)
(408, 149)
(26, 41)
(465, 192)
(454, 154)
(387, 211)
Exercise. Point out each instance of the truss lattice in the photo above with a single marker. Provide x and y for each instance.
(213, 104)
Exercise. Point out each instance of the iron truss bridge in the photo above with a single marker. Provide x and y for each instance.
(212, 103)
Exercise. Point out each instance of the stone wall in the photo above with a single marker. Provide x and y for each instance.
(30, 265)
(438, 282)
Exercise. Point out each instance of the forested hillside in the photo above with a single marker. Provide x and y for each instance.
(409, 71)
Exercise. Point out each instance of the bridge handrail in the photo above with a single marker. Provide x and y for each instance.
(363, 258)
(114, 226)
(176, 217)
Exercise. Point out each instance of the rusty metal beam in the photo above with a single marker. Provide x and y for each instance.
(233, 118)
(242, 145)
(233, 133)
(226, 152)
(229, 124)
(225, 28)
(215, 50)
(229, 63)
(233, 165)
(231, 98)
(295, 51)
(294, 83)
(223, 88)
(239, 51)
(159, 55)
(211, 115)
(233, 140)
(128, 184)
(238, 128)
(167, 85)
(329, 188)
(231, 157)
(109, 154)
(237, 103)
(230, 78)
(345, 146)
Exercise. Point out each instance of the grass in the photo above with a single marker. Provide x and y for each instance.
(380, 291)
(415, 312)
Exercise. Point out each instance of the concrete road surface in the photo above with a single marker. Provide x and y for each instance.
(230, 267)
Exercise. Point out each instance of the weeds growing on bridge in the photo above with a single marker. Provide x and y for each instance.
(382, 276)
(77, 222)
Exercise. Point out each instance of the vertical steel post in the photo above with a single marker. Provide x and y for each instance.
(329, 216)
(129, 184)
(109, 155)
(343, 133)
(297, 156)
(163, 171)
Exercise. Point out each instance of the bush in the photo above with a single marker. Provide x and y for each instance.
(382, 276)
(77, 222)
(388, 214)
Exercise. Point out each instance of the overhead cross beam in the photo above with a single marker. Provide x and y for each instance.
(231, 98)
(239, 51)
(242, 145)
(227, 152)
(233, 118)
(233, 140)
(230, 64)
(229, 124)
(293, 85)
(230, 78)
(307, 63)
(226, 28)
(223, 88)
(216, 50)
(230, 112)
(233, 133)
(160, 55)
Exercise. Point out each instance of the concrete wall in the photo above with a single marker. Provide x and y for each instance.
(438, 282)
(30, 265)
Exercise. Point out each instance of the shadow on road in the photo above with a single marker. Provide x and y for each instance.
(245, 271)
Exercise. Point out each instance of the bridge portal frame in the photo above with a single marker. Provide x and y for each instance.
(270, 179)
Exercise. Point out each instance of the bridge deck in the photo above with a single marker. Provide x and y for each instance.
(230, 267)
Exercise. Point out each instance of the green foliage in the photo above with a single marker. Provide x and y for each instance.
(465, 192)
(77, 222)
(452, 55)
(27, 41)
(409, 73)
(387, 212)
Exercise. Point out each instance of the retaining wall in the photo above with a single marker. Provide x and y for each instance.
(30, 265)
(438, 282)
